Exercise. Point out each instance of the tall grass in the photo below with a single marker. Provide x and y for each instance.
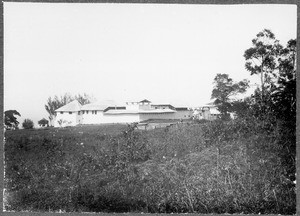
(212, 167)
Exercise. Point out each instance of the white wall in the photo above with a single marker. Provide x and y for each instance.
(68, 119)
(183, 114)
(100, 118)
(120, 118)
(145, 106)
(89, 118)
(132, 107)
(146, 116)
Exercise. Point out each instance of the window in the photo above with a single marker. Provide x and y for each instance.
(92, 111)
(70, 112)
(78, 112)
(87, 112)
(61, 112)
(82, 111)
(95, 112)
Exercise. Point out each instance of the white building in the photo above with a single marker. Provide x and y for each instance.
(208, 112)
(68, 115)
(98, 113)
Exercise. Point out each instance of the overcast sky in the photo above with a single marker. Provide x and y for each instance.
(129, 52)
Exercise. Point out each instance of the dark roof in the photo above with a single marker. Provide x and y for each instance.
(181, 108)
(114, 108)
(163, 105)
(145, 101)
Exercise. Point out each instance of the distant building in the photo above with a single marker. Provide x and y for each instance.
(208, 112)
(74, 113)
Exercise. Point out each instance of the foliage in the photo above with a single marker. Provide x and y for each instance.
(10, 120)
(83, 99)
(277, 110)
(43, 122)
(261, 58)
(212, 167)
(62, 122)
(284, 95)
(27, 124)
(57, 102)
(224, 89)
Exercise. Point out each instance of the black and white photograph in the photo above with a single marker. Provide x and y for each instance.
(149, 108)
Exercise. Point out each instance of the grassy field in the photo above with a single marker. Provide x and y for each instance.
(210, 167)
(106, 129)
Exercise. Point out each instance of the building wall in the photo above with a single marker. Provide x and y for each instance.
(207, 114)
(67, 119)
(214, 113)
(183, 114)
(91, 118)
(120, 118)
(145, 106)
(132, 106)
(79, 118)
(146, 116)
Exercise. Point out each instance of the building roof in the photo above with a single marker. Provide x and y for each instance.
(118, 111)
(181, 108)
(114, 108)
(73, 106)
(94, 106)
(151, 111)
(145, 101)
(101, 105)
(157, 111)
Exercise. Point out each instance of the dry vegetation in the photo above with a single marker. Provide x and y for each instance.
(212, 167)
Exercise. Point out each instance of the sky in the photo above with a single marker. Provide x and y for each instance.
(129, 52)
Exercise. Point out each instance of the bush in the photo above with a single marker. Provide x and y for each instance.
(43, 122)
(27, 124)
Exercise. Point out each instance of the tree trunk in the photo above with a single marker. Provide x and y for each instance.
(262, 79)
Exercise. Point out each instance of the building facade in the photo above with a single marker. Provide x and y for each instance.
(207, 112)
(74, 113)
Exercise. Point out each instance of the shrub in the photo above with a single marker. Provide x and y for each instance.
(27, 124)
(43, 122)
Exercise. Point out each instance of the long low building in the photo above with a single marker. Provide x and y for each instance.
(74, 113)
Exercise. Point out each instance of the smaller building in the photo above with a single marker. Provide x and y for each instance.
(208, 112)
(68, 115)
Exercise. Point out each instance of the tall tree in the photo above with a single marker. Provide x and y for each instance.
(284, 93)
(224, 89)
(53, 104)
(261, 58)
(10, 120)
(283, 107)
(278, 113)
(84, 99)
